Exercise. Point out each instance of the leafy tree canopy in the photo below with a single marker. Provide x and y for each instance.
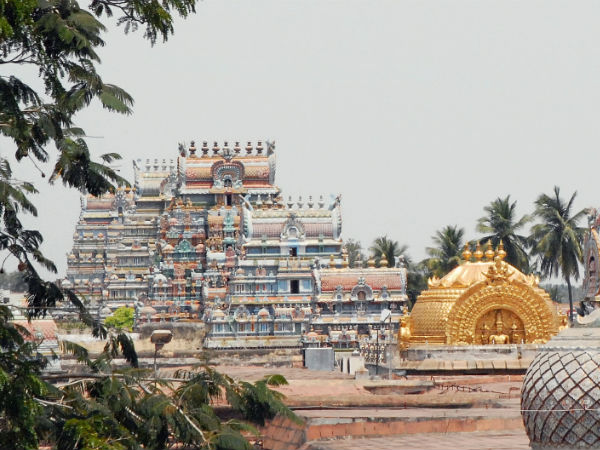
(107, 409)
(501, 224)
(445, 256)
(557, 238)
(384, 246)
(122, 318)
(355, 254)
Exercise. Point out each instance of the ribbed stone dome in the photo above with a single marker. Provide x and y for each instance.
(560, 398)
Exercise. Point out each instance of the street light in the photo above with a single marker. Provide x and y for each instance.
(159, 338)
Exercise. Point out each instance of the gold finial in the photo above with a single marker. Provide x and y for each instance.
(331, 261)
(371, 263)
(466, 254)
(489, 252)
(345, 261)
(500, 251)
(383, 262)
(478, 253)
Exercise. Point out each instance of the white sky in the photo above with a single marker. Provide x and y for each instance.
(418, 112)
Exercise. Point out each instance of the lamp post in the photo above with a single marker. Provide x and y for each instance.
(159, 338)
(385, 314)
(377, 353)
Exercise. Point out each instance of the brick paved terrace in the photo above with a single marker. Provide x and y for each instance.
(449, 412)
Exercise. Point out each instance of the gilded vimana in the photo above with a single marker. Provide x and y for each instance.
(407, 259)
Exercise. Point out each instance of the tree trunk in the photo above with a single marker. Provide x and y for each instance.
(568, 280)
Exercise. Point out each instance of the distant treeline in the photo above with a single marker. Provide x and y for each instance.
(560, 292)
(12, 281)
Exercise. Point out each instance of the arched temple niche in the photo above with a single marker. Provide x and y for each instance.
(499, 326)
(487, 310)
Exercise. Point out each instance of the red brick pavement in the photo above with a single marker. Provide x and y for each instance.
(489, 440)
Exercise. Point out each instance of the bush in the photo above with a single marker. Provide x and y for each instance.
(122, 318)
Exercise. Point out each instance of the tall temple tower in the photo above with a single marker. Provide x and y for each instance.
(211, 238)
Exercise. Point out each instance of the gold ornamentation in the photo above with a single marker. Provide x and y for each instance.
(483, 303)
(404, 332)
(500, 253)
(498, 272)
(478, 253)
(433, 281)
(489, 252)
(466, 254)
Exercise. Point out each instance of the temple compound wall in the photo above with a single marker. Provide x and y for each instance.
(208, 237)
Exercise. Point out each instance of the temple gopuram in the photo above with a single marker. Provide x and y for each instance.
(484, 301)
(209, 238)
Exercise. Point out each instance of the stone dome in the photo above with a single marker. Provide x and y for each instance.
(560, 397)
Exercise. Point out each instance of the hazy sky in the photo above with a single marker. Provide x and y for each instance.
(418, 112)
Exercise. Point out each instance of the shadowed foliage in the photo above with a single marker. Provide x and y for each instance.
(384, 246)
(445, 256)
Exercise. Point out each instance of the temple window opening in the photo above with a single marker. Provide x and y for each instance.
(294, 286)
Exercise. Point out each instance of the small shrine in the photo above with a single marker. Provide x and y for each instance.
(483, 301)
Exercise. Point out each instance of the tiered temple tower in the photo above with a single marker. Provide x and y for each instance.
(210, 238)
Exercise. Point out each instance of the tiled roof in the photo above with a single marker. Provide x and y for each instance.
(267, 229)
(260, 172)
(44, 326)
(198, 173)
(375, 278)
(274, 230)
(317, 229)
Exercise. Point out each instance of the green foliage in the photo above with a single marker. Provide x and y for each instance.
(557, 238)
(560, 292)
(417, 276)
(388, 247)
(122, 318)
(12, 281)
(500, 224)
(256, 402)
(20, 384)
(446, 255)
(354, 249)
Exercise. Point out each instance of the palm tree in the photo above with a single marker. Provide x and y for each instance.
(354, 249)
(501, 224)
(388, 247)
(417, 276)
(446, 255)
(557, 239)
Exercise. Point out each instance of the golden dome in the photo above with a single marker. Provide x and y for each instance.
(483, 302)
(473, 272)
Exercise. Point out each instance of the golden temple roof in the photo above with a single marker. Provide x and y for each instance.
(492, 293)
(470, 273)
